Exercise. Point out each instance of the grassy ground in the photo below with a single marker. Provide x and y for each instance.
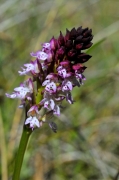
(86, 146)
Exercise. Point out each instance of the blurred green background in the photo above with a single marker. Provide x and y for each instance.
(86, 146)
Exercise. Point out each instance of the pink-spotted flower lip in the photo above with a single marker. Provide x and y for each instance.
(13, 95)
(51, 87)
(23, 91)
(80, 77)
(33, 122)
(64, 69)
(52, 103)
(47, 81)
(27, 70)
(51, 77)
(52, 99)
(62, 72)
(40, 55)
(28, 84)
(20, 93)
(49, 104)
(46, 47)
(67, 85)
(32, 69)
(45, 55)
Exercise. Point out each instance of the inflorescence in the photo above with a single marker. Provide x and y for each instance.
(56, 70)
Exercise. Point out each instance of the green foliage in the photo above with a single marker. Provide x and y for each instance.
(86, 144)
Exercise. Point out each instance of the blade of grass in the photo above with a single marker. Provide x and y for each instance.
(102, 35)
(4, 171)
(49, 21)
(14, 131)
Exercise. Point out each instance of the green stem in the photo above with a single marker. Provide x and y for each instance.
(21, 151)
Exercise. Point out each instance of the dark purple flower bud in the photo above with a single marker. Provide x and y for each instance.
(79, 46)
(50, 56)
(60, 53)
(65, 63)
(69, 44)
(79, 67)
(79, 30)
(61, 41)
(73, 34)
(83, 38)
(86, 46)
(82, 58)
(53, 44)
(69, 97)
(78, 39)
(72, 53)
(53, 126)
(67, 36)
(87, 32)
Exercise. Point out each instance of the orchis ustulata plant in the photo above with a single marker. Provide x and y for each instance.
(56, 70)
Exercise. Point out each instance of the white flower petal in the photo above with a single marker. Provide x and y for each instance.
(28, 120)
(45, 82)
(56, 110)
(21, 106)
(46, 104)
(22, 72)
(29, 67)
(11, 95)
(69, 84)
(59, 68)
(33, 54)
(52, 104)
(42, 56)
(35, 121)
(46, 45)
(22, 89)
(36, 68)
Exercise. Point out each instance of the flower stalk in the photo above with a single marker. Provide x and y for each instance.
(21, 151)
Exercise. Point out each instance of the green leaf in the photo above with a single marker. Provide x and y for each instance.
(95, 45)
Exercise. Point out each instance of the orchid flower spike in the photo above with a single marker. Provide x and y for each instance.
(57, 69)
